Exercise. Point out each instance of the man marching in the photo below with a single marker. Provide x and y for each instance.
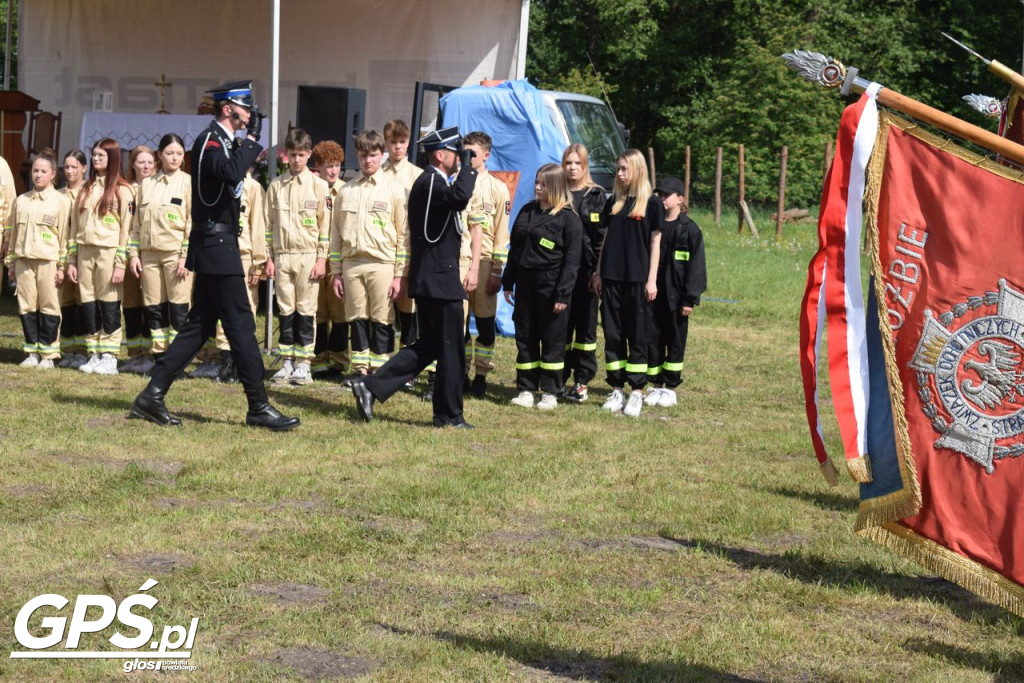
(220, 162)
(435, 231)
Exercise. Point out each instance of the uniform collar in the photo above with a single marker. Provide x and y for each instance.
(375, 178)
(302, 178)
(336, 187)
(396, 167)
(227, 133)
(43, 194)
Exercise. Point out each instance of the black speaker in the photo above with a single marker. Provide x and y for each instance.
(329, 113)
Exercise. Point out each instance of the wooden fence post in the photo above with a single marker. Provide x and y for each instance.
(650, 162)
(782, 193)
(718, 187)
(744, 212)
(686, 185)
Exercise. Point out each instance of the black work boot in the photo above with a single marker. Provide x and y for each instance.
(428, 395)
(228, 372)
(262, 414)
(149, 405)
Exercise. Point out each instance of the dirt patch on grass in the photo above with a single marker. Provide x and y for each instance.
(655, 543)
(106, 421)
(783, 541)
(156, 563)
(558, 670)
(375, 588)
(307, 506)
(25, 490)
(509, 601)
(290, 593)
(315, 664)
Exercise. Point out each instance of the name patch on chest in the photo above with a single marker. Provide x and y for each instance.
(682, 256)
(309, 222)
(310, 204)
(379, 206)
(109, 220)
(595, 217)
(546, 243)
(48, 220)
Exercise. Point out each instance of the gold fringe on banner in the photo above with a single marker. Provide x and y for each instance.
(906, 501)
(950, 565)
(859, 469)
(829, 471)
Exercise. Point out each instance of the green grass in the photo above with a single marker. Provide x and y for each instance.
(693, 543)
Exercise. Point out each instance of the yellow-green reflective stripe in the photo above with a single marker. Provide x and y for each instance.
(551, 366)
(682, 256)
(485, 351)
(528, 366)
(674, 367)
(653, 371)
(585, 347)
(615, 365)
(636, 367)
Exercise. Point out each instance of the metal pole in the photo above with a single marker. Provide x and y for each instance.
(275, 83)
(524, 33)
(6, 51)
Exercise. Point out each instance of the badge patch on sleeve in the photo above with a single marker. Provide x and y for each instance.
(488, 208)
(131, 207)
(330, 204)
(211, 143)
(508, 207)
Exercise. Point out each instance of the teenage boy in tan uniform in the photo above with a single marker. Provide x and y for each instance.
(489, 210)
(331, 347)
(369, 248)
(297, 214)
(396, 140)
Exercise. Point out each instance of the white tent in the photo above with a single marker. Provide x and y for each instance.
(70, 49)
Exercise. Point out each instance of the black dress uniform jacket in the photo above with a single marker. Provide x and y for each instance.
(220, 162)
(434, 261)
(682, 270)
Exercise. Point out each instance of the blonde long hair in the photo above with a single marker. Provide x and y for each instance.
(580, 151)
(639, 185)
(556, 187)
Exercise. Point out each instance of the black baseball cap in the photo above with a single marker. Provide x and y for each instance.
(671, 185)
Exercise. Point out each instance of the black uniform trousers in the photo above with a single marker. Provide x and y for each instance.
(540, 332)
(581, 337)
(625, 316)
(441, 338)
(667, 334)
(224, 298)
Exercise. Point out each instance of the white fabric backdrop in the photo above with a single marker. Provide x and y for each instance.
(67, 49)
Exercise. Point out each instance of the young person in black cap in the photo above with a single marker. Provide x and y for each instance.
(219, 162)
(682, 278)
(432, 279)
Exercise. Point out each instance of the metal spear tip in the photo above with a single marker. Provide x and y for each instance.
(987, 61)
(989, 106)
(816, 67)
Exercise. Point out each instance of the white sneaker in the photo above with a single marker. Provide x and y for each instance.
(31, 361)
(285, 373)
(635, 403)
(301, 375)
(524, 399)
(668, 398)
(653, 397)
(90, 365)
(107, 365)
(615, 401)
(77, 361)
(45, 364)
(547, 402)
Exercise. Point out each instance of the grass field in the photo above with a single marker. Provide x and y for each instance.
(692, 543)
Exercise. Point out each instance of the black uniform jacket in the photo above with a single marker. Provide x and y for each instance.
(682, 270)
(434, 261)
(589, 205)
(219, 164)
(540, 241)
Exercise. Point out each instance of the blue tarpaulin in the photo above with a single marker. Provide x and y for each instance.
(524, 139)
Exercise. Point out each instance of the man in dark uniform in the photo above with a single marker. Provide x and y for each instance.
(435, 232)
(220, 161)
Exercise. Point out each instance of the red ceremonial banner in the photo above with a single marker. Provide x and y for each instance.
(947, 229)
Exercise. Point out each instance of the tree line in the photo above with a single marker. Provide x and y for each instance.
(708, 73)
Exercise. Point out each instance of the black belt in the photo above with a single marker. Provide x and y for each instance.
(211, 229)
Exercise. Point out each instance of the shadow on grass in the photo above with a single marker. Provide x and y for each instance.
(821, 572)
(344, 408)
(576, 665)
(1003, 670)
(118, 406)
(825, 501)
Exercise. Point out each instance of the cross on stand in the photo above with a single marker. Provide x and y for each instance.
(163, 84)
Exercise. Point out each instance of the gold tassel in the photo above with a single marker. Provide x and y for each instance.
(829, 471)
(860, 469)
(976, 578)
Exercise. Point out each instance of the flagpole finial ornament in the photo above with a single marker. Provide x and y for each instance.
(989, 106)
(814, 66)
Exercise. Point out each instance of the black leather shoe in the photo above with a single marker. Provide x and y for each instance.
(479, 386)
(149, 405)
(462, 425)
(364, 400)
(268, 417)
